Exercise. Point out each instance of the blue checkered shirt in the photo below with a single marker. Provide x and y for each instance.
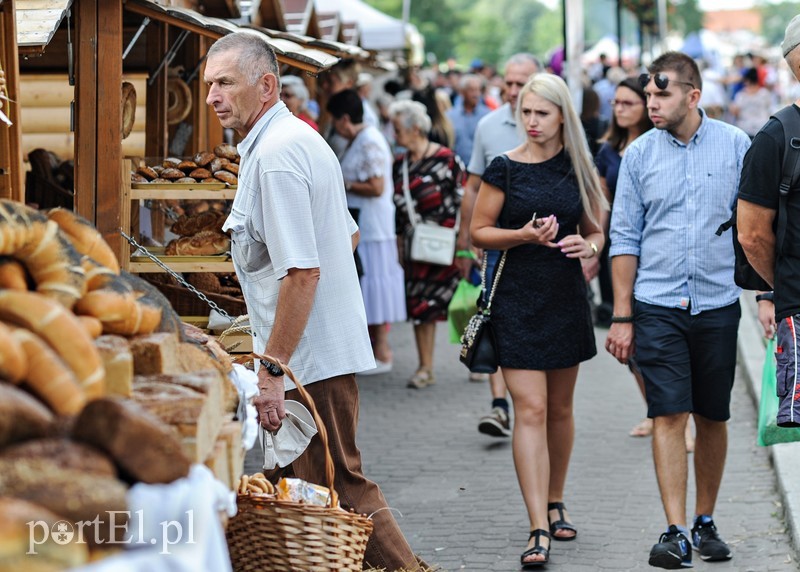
(671, 197)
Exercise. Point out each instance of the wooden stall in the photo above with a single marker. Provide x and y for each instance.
(11, 172)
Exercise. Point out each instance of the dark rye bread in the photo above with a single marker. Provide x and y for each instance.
(22, 417)
(142, 446)
(65, 454)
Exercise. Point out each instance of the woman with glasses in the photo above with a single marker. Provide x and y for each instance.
(294, 94)
(546, 219)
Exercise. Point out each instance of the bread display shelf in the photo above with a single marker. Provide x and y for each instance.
(182, 191)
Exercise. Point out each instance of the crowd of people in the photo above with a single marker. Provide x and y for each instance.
(626, 194)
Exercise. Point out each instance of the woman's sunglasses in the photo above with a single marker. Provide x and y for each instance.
(661, 80)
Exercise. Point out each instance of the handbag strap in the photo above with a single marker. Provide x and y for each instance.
(412, 213)
(499, 270)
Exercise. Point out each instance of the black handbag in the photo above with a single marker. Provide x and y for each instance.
(478, 345)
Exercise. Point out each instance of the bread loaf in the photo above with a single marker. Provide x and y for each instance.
(152, 297)
(75, 495)
(171, 173)
(186, 180)
(86, 239)
(13, 360)
(137, 178)
(155, 353)
(147, 172)
(187, 166)
(16, 518)
(226, 177)
(204, 243)
(217, 462)
(22, 417)
(48, 377)
(142, 447)
(92, 325)
(231, 433)
(63, 453)
(171, 163)
(226, 151)
(233, 168)
(61, 330)
(217, 164)
(115, 352)
(192, 224)
(203, 158)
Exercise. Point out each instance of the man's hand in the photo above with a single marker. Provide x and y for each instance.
(269, 403)
(590, 267)
(619, 342)
(766, 317)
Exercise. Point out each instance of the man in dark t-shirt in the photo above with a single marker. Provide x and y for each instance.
(757, 221)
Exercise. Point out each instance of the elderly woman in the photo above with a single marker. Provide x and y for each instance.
(294, 94)
(367, 170)
(435, 176)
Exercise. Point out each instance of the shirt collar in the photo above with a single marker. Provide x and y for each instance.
(508, 115)
(698, 135)
(247, 144)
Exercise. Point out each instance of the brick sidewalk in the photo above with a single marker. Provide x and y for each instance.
(459, 497)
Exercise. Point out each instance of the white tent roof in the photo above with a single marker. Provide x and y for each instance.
(379, 31)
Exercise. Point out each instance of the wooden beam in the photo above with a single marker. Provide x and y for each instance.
(156, 127)
(12, 177)
(86, 150)
(109, 122)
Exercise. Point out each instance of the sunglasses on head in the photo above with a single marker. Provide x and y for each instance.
(661, 80)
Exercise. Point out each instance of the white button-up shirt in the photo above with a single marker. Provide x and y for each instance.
(289, 212)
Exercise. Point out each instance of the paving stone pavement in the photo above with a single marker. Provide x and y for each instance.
(460, 501)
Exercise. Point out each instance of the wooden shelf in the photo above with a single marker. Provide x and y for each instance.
(147, 267)
(164, 192)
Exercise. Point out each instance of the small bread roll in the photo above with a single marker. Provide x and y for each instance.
(226, 151)
(204, 158)
(172, 173)
(147, 172)
(187, 166)
(200, 173)
(226, 177)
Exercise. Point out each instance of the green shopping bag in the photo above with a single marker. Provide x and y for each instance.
(768, 431)
(463, 305)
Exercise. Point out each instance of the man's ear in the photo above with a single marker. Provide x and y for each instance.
(271, 87)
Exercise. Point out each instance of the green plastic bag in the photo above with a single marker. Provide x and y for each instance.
(768, 431)
(463, 305)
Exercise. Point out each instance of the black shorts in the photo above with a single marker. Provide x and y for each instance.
(688, 362)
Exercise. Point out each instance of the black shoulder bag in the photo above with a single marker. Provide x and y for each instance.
(478, 345)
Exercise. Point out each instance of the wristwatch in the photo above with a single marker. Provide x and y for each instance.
(273, 369)
(764, 296)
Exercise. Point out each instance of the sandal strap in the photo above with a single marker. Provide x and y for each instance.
(538, 533)
(537, 549)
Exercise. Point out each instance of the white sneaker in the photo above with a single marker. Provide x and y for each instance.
(380, 367)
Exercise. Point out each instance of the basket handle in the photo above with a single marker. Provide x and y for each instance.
(333, 498)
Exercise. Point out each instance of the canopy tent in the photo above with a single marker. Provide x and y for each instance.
(378, 31)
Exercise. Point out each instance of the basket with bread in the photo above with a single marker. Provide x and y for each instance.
(101, 387)
(206, 167)
(296, 525)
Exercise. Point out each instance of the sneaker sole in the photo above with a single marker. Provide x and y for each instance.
(493, 428)
(668, 561)
(712, 557)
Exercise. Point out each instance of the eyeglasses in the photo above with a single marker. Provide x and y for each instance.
(623, 103)
(661, 80)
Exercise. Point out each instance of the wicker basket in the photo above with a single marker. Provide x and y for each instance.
(282, 536)
(186, 303)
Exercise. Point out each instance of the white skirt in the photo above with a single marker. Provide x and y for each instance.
(383, 282)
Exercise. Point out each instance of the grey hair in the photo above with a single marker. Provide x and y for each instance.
(411, 114)
(468, 78)
(522, 58)
(554, 89)
(297, 87)
(254, 56)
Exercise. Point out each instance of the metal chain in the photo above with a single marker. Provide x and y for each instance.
(139, 248)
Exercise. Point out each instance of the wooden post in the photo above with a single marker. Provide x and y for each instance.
(156, 128)
(86, 149)
(109, 122)
(12, 177)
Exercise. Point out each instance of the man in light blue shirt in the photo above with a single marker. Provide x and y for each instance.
(674, 294)
(466, 113)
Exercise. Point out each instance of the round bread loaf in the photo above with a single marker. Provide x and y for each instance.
(161, 181)
(185, 180)
(22, 416)
(147, 172)
(137, 178)
(67, 454)
(171, 173)
(204, 158)
(200, 173)
(128, 108)
(226, 151)
(232, 167)
(226, 177)
(187, 166)
(61, 330)
(172, 162)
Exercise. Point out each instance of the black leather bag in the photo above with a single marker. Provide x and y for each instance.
(478, 345)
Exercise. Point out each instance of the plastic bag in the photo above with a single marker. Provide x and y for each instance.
(463, 305)
(768, 431)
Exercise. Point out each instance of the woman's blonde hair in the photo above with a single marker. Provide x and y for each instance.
(555, 90)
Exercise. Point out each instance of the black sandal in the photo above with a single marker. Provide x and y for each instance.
(561, 523)
(538, 534)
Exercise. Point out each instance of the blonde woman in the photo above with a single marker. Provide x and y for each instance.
(547, 221)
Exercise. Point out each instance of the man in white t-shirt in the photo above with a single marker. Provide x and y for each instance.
(292, 241)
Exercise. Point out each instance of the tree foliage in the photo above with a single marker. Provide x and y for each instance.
(774, 19)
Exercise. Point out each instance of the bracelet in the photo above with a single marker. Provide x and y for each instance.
(466, 254)
(768, 296)
(621, 319)
(593, 246)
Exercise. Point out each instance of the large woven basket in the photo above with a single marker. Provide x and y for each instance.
(270, 535)
(186, 303)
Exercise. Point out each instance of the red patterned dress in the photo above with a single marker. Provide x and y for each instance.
(436, 185)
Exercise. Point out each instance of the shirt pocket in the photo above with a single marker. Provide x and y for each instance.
(248, 253)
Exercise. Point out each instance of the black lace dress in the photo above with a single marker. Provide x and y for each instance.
(540, 312)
